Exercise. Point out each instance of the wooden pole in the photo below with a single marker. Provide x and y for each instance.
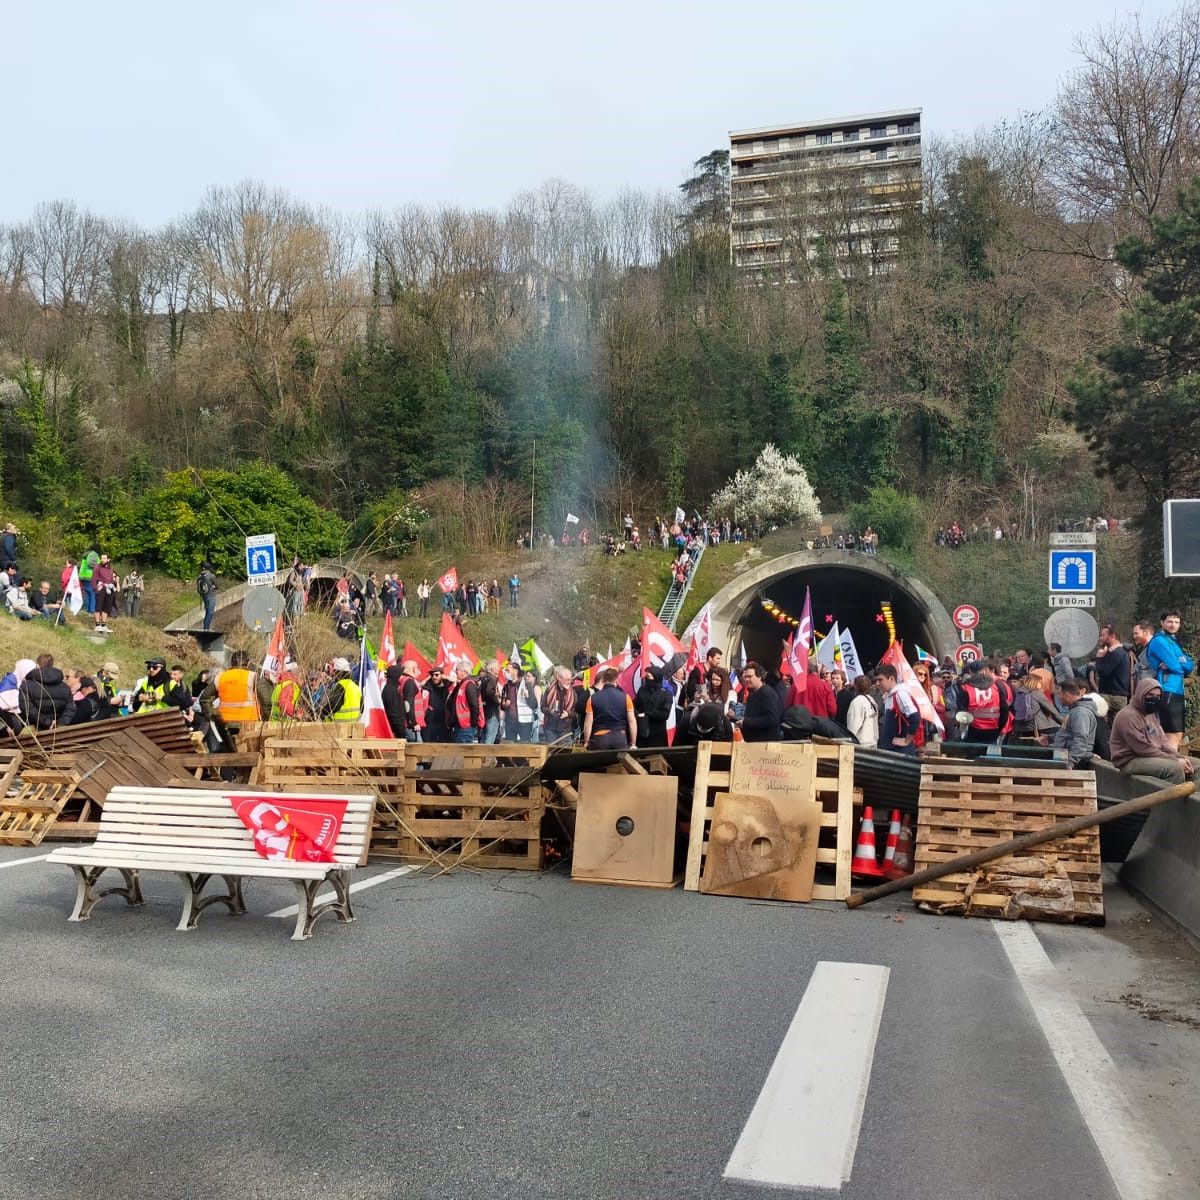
(1024, 842)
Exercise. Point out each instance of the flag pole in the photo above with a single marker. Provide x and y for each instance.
(532, 488)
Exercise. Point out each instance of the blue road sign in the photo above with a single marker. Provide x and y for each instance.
(260, 559)
(1073, 570)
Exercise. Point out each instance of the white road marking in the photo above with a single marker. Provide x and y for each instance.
(16, 862)
(395, 873)
(1136, 1161)
(803, 1130)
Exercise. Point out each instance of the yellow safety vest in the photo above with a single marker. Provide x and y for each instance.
(235, 689)
(277, 713)
(351, 708)
(157, 690)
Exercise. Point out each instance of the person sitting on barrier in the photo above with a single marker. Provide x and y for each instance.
(1077, 734)
(1139, 745)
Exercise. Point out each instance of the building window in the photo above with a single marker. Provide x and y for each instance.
(850, 135)
(881, 154)
(824, 139)
(879, 131)
(908, 127)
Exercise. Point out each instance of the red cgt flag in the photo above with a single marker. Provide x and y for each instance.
(291, 828)
(453, 645)
(412, 654)
(449, 581)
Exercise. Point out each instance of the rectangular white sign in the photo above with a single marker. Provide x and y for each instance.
(1072, 539)
(1073, 600)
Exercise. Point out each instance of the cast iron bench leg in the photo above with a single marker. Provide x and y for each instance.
(86, 896)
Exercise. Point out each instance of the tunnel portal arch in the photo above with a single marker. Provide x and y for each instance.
(847, 586)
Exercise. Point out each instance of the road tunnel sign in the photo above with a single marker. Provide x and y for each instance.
(261, 562)
(1073, 570)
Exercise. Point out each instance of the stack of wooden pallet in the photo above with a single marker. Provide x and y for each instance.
(966, 806)
(472, 805)
(30, 799)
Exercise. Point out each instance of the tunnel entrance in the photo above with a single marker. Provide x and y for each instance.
(846, 587)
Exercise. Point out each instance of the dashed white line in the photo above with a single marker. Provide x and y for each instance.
(16, 862)
(395, 873)
(803, 1129)
(1136, 1162)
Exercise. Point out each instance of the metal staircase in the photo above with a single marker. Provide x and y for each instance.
(672, 604)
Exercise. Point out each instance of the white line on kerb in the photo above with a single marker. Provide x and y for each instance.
(16, 862)
(1134, 1158)
(803, 1129)
(395, 873)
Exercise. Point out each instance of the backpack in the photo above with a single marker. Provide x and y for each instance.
(206, 584)
(1024, 706)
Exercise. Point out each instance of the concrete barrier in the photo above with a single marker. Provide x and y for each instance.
(1164, 865)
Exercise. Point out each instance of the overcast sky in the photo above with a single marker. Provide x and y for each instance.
(134, 109)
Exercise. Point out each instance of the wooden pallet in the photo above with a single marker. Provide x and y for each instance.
(164, 728)
(464, 816)
(834, 789)
(10, 765)
(26, 818)
(965, 806)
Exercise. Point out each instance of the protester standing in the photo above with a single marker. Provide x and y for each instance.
(132, 587)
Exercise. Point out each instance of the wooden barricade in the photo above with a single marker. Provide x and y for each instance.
(834, 790)
(26, 817)
(965, 806)
(10, 766)
(475, 805)
(321, 756)
(164, 728)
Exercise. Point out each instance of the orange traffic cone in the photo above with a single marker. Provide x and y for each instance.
(889, 849)
(864, 863)
(902, 861)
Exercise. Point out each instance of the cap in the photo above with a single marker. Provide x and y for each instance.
(340, 664)
(156, 662)
(110, 668)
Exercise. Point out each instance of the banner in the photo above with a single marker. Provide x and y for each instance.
(850, 660)
(292, 828)
(572, 519)
(453, 645)
(272, 664)
(680, 516)
(449, 581)
(387, 644)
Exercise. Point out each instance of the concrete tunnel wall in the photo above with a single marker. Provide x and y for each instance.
(844, 584)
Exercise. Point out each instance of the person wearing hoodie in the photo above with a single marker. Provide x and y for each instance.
(393, 700)
(44, 697)
(652, 706)
(10, 694)
(1139, 745)
(1077, 735)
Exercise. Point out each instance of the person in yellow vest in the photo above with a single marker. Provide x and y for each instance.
(341, 699)
(150, 692)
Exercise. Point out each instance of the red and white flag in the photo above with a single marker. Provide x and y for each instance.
(453, 645)
(700, 629)
(449, 581)
(276, 656)
(798, 659)
(73, 593)
(894, 654)
(291, 828)
(658, 642)
(387, 644)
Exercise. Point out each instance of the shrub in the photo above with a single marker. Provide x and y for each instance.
(775, 491)
(897, 517)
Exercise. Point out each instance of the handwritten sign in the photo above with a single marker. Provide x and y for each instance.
(774, 769)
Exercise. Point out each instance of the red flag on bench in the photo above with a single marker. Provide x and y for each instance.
(292, 828)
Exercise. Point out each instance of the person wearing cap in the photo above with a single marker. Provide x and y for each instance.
(106, 693)
(86, 708)
(150, 692)
(341, 700)
(437, 689)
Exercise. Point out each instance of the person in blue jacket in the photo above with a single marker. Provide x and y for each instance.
(1166, 658)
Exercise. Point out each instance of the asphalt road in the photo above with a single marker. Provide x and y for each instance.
(505, 1035)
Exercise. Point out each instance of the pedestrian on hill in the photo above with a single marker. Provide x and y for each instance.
(132, 587)
(8, 546)
(206, 588)
(423, 593)
(514, 588)
(106, 589)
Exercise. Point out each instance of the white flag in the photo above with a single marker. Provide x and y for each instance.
(74, 592)
(827, 652)
(572, 519)
(850, 662)
(515, 656)
(700, 628)
(680, 516)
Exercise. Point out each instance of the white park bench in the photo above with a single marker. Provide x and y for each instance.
(195, 834)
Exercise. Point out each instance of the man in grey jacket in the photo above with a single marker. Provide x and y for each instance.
(1060, 663)
(1078, 733)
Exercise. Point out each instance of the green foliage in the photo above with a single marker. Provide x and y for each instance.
(899, 519)
(196, 515)
(387, 526)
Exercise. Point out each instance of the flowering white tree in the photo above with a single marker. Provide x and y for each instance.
(774, 491)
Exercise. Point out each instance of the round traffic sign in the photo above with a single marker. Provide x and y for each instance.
(966, 616)
(1074, 629)
(261, 606)
(968, 652)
